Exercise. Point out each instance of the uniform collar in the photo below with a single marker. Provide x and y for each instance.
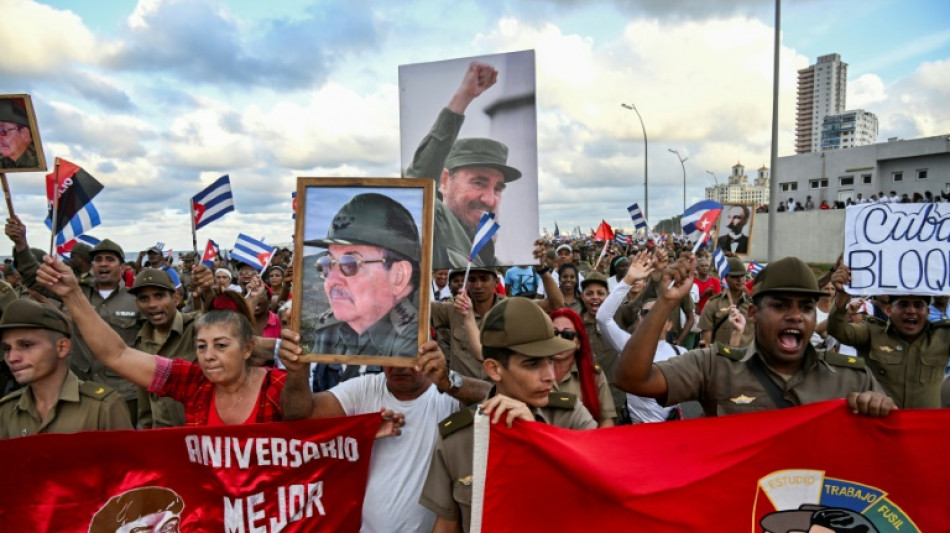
(68, 392)
(150, 334)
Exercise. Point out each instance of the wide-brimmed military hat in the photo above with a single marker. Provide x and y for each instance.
(81, 251)
(188, 256)
(27, 313)
(736, 267)
(152, 277)
(521, 326)
(375, 220)
(478, 152)
(594, 277)
(106, 245)
(789, 274)
(153, 250)
(10, 111)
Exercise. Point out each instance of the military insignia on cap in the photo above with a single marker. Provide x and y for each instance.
(467, 480)
(342, 221)
(100, 390)
(742, 399)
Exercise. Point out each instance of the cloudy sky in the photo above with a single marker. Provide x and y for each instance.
(157, 98)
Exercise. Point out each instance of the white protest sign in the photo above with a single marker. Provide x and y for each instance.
(898, 248)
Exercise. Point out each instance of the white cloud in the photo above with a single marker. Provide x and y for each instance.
(38, 39)
(865, 91)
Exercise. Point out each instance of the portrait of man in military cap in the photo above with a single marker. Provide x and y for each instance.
(470, 126)
(20, 147)
(364, 269)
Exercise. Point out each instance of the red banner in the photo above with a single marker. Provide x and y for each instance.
(787, 470)
(300, 476)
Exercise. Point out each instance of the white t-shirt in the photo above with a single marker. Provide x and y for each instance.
(399, 465)
(648, 409)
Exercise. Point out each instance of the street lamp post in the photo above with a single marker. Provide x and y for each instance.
(682, 161)
(646, 197)
(710, 172)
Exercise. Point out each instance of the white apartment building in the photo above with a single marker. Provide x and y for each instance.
(739, 191)
(848, 129)
(821, 92)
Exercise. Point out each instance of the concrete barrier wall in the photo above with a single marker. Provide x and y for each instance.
(815, 236)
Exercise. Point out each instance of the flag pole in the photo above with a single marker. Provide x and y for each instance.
(194, 235)
(699, 241)
(468, 268)
(6, 193)
(54, 226)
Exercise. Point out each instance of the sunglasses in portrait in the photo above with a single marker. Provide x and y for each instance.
(349, 265)
(5, 132)
(565, 334)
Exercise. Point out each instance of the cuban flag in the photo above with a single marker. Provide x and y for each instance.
(699, 218)
(84, 220)
(251, 251)
(212, 203)
(638, 221)
(487, 227)
(66, 248)
(621, 239)
(211, 251)
(722, 264)
(293, 204)
(754, 268)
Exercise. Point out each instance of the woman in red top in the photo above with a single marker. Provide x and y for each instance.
(221, 388)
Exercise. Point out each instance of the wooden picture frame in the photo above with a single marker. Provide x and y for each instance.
(744, 246)
(21, 149)
(365, 318)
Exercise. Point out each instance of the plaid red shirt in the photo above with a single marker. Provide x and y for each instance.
(184, 381)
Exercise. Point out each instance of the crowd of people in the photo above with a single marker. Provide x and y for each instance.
(587, 336)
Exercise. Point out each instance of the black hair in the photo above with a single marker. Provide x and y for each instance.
(500, 354)
(842, 521)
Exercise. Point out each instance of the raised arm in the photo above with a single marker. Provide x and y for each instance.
(432, 363)
(641, 267)
(856, 335)
(134, 365)
(636, 372)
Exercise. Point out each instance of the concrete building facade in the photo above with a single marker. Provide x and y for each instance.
(848, 129)
(821, 91)
(739, 191)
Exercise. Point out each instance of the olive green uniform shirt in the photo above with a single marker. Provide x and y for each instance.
(716, 313)
(155, 411)
(452, 241)
(605, 357)
(911, 372)
(395, 334)
(27, 159)
(448, 488)
(82, 406)
(460, 357)
(719, 379)
(571, 382)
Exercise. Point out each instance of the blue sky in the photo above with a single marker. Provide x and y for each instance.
(157, 98)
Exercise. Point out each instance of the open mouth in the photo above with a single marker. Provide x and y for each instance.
(790, 339)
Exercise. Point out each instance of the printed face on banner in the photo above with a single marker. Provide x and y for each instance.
(482, 155)
(364, 268)
(20, 147)
(140, 510)
(735, 229)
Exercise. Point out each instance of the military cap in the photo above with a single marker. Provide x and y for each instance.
(10, 111)
(7, 295)
(521, 326)
(27, 313)
(106, 246)
(188, 256)
(152, 277)
(81, 251)
(789, 274)
(477, 152)
(594, 277)
(736, 267)
(373, 219)
(153, 250)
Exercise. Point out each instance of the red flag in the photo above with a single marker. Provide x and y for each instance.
(604, 232)
(284, 476)
(731, 473)
(76, 189)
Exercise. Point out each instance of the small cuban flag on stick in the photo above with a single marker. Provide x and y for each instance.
(699, 219)
(211, 251)
(209, 205)
(487, 227)
(252, 252)
(639, 222)
(722, 264)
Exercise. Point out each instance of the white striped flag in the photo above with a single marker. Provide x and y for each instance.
(754, 268)
(722, 264)
(699, 218)
(251, 251)
(84, 220)
(64, 250)
(638, 221)
(212, 203)
(486, 229)
(293, 204)
(211, 251)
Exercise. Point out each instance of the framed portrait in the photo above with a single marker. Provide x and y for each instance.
(20, 147)
(483, 156)
(362, 269)
(734, 231)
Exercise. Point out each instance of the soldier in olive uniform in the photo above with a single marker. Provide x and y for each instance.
(17, 149)
(518, 344)
(907, 354)
(371, 279)
(35, 341)
(472, 174)
(714, 321)
(102, 285)
(780, 369)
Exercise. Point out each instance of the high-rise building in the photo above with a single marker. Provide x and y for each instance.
(821, 92)
(848, 129)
